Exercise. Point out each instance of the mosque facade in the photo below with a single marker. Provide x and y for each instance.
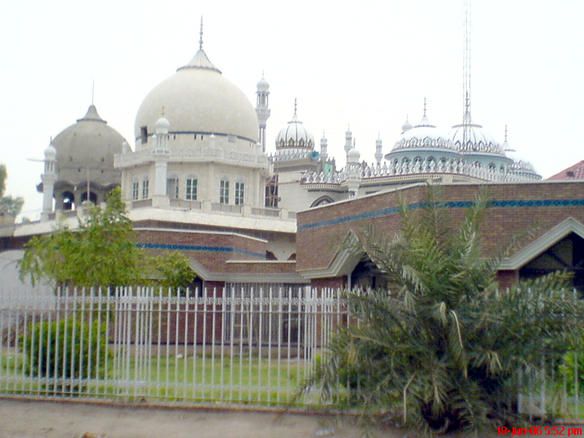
(199, 180)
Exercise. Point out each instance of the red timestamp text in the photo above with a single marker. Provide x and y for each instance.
(557, 431)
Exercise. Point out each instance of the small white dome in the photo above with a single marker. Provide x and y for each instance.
(406, 126)
(50, 152)
(294, 135)
(353, 156)
(162, 125)
(263, 85)
(520, 167)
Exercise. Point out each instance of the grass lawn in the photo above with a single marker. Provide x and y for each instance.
(241, 379)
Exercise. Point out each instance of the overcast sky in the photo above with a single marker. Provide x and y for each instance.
(365, 63)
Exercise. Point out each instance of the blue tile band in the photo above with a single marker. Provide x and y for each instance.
(389, 211)
(201, 248)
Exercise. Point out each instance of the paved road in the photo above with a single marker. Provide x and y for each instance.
(24, 419)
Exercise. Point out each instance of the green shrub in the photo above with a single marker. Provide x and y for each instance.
(66, 349)
(573, 362)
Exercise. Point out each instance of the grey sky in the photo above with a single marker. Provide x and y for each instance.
(366, 64)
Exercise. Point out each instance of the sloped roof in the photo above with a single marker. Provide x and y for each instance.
(571, 173)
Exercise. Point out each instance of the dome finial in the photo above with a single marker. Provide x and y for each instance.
(424, 121)
(505, 133)
(295, 106)
(201, 35)
(92, 90)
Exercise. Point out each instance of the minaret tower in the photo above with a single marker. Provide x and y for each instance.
(161, 154)
(48, 178)
(378, 150)
(262, 109)
(323, 148)
(348, 142)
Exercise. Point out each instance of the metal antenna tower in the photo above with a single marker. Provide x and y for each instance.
(466, 74)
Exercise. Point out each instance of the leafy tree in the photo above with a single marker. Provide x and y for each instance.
(174, 271)
(101, 252)
(8, 204)
(443, 344)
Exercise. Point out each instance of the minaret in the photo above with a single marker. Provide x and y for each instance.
(262, 109)
(348, 142)
(48, 178)
(378, 150)
(323, 148)
(353, 171)
(161, 154)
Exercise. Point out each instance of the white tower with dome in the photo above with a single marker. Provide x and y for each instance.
(79, 164)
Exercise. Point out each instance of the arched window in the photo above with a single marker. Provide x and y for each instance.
(68, 201)
(191, 188)
(492, 167)
(323, 200)
(92, 197)
(224, 191)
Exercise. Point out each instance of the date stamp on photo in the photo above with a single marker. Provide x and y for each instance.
(558, 431)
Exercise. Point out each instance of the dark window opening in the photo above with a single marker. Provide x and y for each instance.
(271, 194)
(144, 134)
(92, 197)
(68, 201)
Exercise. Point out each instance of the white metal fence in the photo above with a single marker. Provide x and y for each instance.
(238, 345)
(230, 345)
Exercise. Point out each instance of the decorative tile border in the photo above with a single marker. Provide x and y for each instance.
(200, 248)
(389, 211)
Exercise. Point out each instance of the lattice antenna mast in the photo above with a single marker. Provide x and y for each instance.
(466, 65)
(201, 35)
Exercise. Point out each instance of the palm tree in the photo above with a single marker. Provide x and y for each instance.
(443, 344)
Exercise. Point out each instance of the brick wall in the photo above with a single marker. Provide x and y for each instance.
(317, 245)
(193, 245)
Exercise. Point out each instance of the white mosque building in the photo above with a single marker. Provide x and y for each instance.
(201, 145)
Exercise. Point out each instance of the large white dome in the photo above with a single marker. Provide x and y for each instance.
(423, 136)
(478, 141)
(198, 99)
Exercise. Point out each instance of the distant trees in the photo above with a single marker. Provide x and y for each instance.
(8, 205)
(444, 346)
(101, 252)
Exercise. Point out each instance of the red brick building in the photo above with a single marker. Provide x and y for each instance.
(549, 216)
